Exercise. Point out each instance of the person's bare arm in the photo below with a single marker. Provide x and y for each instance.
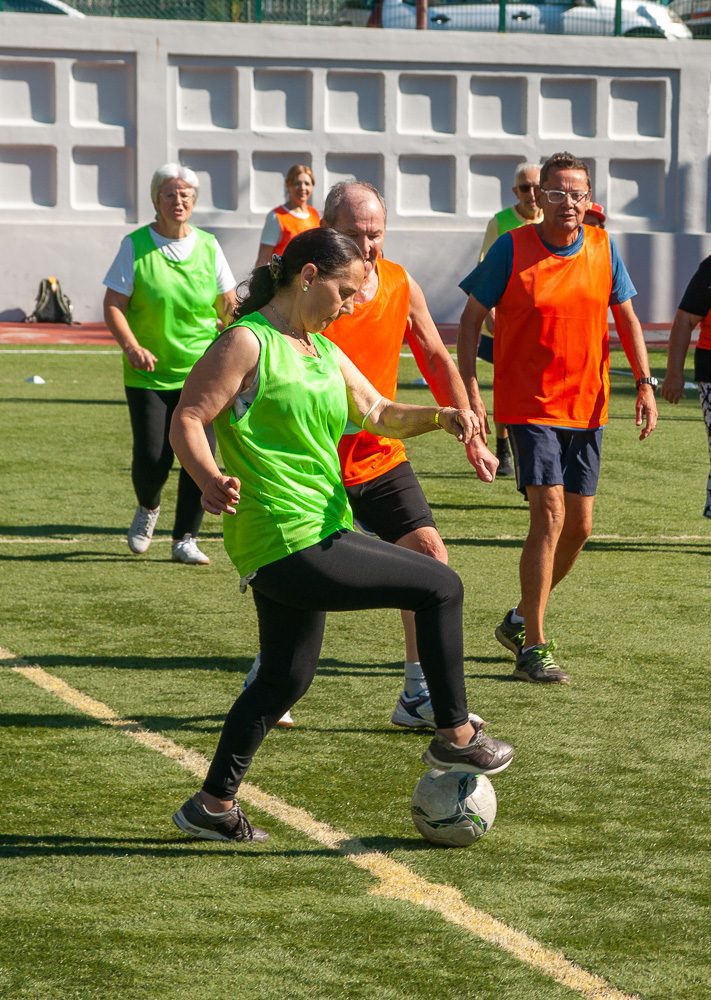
(211, 387)
(679, 340)
(470, 324)
(115, 306)
(631, 337)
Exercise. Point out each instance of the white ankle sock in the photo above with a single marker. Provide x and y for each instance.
(516, 617)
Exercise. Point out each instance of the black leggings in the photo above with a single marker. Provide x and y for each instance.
(150, 411)
(345, 572)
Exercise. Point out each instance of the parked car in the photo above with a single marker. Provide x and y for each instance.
(696, 15)
(574, 17)
(38, 7)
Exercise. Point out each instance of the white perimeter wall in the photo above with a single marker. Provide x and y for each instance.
(89, 108)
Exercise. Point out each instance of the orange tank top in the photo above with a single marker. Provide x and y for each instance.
(704, 341)
(372, 338)
(552, 345)
(291, 225)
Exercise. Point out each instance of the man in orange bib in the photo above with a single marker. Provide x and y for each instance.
(552, 284)
(386, 498)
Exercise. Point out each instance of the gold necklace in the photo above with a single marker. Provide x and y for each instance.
(303, 339)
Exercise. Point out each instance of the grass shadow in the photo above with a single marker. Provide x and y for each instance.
(21, 846)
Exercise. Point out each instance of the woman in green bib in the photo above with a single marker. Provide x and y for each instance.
(165, 291)
(281, 395)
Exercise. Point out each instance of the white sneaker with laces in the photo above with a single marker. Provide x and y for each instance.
(417, 713)
(142, 527)
(187, 551)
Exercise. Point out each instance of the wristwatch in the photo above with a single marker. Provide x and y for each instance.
(648, 380)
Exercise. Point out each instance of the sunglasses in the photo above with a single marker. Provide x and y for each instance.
(525, 187)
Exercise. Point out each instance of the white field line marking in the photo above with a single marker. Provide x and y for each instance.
(394, 880)
(208, 539)
(48, 350)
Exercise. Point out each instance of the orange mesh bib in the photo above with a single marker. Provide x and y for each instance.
(704, 341)
(552, 347)
(291, 226)
(372, 338)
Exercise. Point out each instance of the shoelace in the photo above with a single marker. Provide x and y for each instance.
(545, 655)
(240, 823)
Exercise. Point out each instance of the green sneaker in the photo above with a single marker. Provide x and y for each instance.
(537, 665)
(510, 634)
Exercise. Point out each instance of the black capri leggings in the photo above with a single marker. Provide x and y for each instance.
(151, 411)
(345, 572)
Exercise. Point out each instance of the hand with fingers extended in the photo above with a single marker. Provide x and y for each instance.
(221, 495)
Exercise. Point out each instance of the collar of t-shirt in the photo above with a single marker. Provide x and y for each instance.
(570, 249)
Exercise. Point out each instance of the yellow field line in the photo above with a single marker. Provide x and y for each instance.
(394, 880)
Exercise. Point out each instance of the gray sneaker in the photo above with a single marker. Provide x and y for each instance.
(194, 819)
(142, 527)
(537, 665)
(483, 755)
(511, 634)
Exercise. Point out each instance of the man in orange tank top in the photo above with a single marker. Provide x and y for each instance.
(552, 284)
(385, 495)
(386, 498)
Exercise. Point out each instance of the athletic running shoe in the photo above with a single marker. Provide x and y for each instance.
(511, 634)
(537, 665)
(194, 819)
(286, 721)
(187, 551)
(414, 713)
(483, 755)
(142, 527)
(503, 453)
(707, 510)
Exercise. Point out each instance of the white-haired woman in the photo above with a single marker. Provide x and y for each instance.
(165, 291)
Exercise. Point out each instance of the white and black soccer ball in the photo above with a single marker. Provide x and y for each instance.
(452, 808)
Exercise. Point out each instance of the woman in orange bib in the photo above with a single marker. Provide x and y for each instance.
(293, 217)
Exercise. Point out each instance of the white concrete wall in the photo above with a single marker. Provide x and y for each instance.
(89, 108)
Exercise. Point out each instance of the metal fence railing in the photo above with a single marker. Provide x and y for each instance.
(632, 18)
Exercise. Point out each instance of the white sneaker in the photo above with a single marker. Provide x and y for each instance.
(142, 526)
(187, 551)
(417, 713)
(286, 721)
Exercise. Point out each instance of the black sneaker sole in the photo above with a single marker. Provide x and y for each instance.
(461, 765)
(521, 675)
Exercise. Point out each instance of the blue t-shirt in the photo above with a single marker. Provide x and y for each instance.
(488, 281)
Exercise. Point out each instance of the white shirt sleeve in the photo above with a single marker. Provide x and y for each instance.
(271, 234)
(225, 278)
(119, 277)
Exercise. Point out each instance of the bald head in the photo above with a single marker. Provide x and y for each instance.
(357, 209)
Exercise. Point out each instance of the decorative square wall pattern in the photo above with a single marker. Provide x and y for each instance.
(426, 185)
(354, 166)
(282, 99)
(207, 97)
(102, 93)
(355, 102)
(637, 189)
(638, 109)
(497, 105)
(268, 173)
(217, 172)
(27, 93)
(490, 181)
(102, 178)
(426, 104)
(567, 107)
(28, 177)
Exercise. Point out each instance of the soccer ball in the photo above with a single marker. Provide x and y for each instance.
(452, 808)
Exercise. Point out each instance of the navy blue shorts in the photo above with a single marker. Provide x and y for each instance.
(392, 505)
(552, 456)
(485, 350)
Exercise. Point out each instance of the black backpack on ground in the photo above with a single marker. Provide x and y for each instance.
(52, 305)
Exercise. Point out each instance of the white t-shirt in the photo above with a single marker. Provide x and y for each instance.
(271, 234)
(119, 277)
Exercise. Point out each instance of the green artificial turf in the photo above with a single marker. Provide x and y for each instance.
(600, 845)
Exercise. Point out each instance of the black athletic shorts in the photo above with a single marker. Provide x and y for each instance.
(392, 505)
(556, 456)
(702, 365)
